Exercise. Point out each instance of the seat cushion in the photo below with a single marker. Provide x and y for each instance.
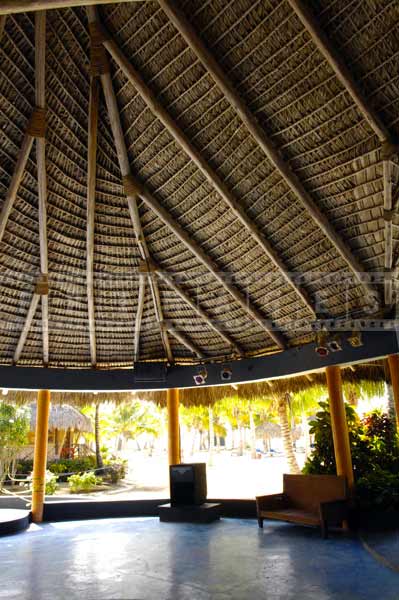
(292, 515)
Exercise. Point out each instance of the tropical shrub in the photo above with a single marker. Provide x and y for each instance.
(83, 482)
(51, 483)
(375, 455)
(14, 428)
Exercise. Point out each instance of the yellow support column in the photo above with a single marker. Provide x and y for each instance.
(339, 425)
(172, 399)
(393, 362)
(40, 455)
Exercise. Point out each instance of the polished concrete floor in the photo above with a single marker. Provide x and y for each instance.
(143, 559)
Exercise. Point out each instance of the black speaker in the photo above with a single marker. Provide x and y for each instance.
(187, 484)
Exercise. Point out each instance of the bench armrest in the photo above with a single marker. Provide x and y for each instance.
(271, 502)
(334, 512)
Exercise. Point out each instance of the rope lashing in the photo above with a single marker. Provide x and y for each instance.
(130, 186)
(37, 123)
(99, 63)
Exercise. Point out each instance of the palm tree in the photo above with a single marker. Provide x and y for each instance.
(131, 419)
(99, 458)
(286, 432)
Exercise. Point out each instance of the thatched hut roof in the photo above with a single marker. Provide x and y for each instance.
(63, 417)
(372, 376)
(219, 204)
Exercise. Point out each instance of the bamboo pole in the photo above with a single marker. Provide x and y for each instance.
(9, 7)
(339, 425)
(393, 362)
(40, 93)
(168, 279)
(26, 327)
(2, 25)
(172, 401)
(12, 191)
(341, 70)
(91, 209)
(387, 178)
(265, 323)
(180, 337)
(139, 316)
(124, 165)
(249, 120)
(40, 455)
(159, 111)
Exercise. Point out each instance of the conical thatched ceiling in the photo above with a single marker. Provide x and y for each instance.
(183, 160)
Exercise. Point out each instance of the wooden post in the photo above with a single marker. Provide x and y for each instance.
(40, 455)
(393, 362)
(172, 399)
(339, 425)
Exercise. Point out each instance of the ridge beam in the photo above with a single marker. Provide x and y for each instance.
(91, 208)
(212, 177)
(223, 82)
(339, 67)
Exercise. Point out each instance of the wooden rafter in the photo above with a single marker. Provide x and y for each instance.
(26, 327)
(2, 25)
(341, 70)
(180, 337)
(40, 86)
(169, 280)
(91, 209)
(139, 317)
(12, 191)
(265, 323)
(9, 7)
(223, 82)
(124, 165)
(159, 111)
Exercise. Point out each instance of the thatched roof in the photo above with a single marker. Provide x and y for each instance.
(63, 416)
(297, 188)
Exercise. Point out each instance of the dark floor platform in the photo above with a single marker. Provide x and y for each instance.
(201, 513)
(13, 520)
(144, 559)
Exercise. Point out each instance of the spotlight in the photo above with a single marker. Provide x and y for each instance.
(321, 343)
(226, 374)
(355, 339)
(334, 343)
(200, 377)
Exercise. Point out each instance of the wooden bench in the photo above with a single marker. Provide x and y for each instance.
(320, 500)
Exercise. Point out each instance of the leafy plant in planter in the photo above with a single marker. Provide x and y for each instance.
(83, 482)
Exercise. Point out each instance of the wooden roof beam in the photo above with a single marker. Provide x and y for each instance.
(193, 40)
(159, 111)
(26, 326)
(91, 209)
(265, 323)
(2, 25)
(101, 66)
(9, 7)
(169, 280)
(180, 337)
(139, 317)
(341, 70)
(40, 96)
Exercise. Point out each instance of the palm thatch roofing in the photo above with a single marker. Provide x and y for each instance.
(63, 417)
(371, 377)
(196, 155)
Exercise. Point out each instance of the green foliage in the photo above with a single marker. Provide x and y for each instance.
(72, 465)
(24, 466)
(83, 482)
(51, 483)
(14, 428)
(375, 455)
